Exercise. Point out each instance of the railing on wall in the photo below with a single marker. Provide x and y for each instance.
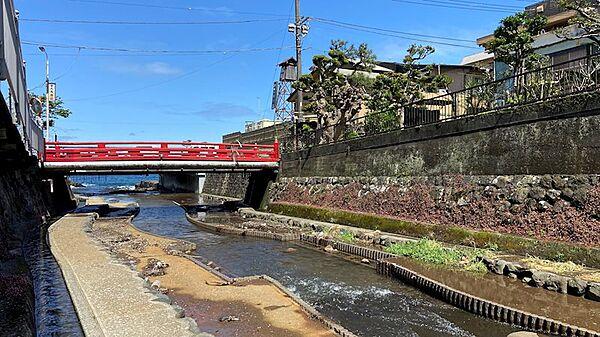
(12, 69)
(555, 81)
(159, 151)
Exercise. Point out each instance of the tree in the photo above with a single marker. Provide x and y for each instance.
(334, 97)
(588, 19)
(512, 42)
(391, 91)
(57, 109)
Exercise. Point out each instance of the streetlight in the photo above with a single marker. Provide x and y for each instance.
(43, 50)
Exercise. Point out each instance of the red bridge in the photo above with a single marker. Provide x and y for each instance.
(126, 157)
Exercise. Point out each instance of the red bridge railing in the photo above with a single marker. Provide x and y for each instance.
(158, 151)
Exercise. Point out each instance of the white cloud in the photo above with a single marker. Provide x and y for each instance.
(149, 68)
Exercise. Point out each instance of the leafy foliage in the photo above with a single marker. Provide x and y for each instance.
(588, 19)
(334, 97)
(512, 42)
(393, 90)
(57, 109)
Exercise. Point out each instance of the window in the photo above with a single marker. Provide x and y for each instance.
(562, 58)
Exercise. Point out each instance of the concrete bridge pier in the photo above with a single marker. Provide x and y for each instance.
(182, 182)
(258, 185)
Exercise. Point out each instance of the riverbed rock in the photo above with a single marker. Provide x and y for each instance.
(147, 186)
(365, 261)
(229, 319)
(291, 250)
(329, 249)
(549, 281)
(512, 269)
(179, 311)
(576, 287)
(537, 193)
(498, 267)
(593, 291)
(155, 285)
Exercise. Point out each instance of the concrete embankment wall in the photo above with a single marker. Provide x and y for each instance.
(531, 171)
(22, 206)
(233, 185)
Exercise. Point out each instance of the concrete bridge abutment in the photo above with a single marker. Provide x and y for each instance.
(182, 182)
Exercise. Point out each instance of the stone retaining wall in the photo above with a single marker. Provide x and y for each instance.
(548, 207)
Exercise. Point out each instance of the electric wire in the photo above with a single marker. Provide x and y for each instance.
(111, 22)
(187, 74)
(441, 5)
(202, 9)
(148, 51)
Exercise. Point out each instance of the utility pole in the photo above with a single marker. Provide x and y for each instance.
(298, 32)
(300, 29)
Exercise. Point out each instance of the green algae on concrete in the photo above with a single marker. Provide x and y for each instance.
(550, 250)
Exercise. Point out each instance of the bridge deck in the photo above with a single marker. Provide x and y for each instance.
(125, 157)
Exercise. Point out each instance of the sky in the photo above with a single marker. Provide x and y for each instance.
(174, 82)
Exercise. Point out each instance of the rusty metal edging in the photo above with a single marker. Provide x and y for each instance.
(455, 297)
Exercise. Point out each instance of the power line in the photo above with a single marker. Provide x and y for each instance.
(168, 80)
(150, 51)
(148, 22)
(482, 4)
(350, 25)
(372, 31)
(201, 9)
(441, 4)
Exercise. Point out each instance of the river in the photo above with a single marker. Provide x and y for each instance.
(351, 294)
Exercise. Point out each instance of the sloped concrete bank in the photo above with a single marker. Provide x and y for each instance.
(387, 266)
(109, 297)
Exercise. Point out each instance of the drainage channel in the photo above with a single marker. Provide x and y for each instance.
(353, 295)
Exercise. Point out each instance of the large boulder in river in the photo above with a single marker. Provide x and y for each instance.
(576, 287)
(549, 281)
(147, 186)
(593, 292)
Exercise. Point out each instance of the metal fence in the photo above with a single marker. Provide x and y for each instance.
(574, 76)
(12, 69)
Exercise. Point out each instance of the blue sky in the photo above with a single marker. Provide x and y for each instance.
(128, 96)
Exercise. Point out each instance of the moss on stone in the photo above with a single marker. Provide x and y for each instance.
(550, 250)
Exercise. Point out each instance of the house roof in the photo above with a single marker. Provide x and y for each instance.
(555, 20)
(476, 58)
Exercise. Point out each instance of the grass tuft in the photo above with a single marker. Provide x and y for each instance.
(434, 252)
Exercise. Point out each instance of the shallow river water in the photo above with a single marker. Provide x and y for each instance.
(351, 294)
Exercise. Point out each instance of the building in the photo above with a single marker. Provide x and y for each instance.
(458, 74)
(557, 48)
(262, 132)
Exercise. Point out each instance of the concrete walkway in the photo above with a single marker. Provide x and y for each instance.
(110, 299)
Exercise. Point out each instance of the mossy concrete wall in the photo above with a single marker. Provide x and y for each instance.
(556, 137)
